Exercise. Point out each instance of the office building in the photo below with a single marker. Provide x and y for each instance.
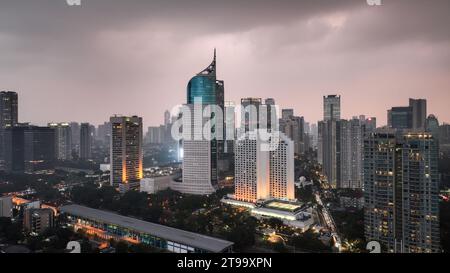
(126, 152)
(36, 221)
(432, 126)
(262, 174)
(63, 140)
(201, 153)
(331, 107)
(75, 128)
(104, 133)
(250, 114)
(270, 103)
(401, 184)
(400, 118)
(370, 124)
(351, 153)
(152, 185)
(294, 128)
(106, 226)
(329, 139)
(444, 134)
(329, 150)
(419, 113)
(85, 141)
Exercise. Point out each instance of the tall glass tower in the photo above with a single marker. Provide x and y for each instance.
(206, 87)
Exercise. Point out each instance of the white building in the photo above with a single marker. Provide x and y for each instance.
(126, 152)
(262, 174)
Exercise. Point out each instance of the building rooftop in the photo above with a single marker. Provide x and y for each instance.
(171, 234)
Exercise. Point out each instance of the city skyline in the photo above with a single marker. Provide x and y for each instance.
(374, 57)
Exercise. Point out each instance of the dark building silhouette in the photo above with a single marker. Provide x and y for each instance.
(85, 141)
(29, 148)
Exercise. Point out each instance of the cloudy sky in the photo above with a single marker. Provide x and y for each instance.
(136, 56)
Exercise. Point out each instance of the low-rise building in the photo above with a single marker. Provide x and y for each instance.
(107, 225)
(36, 221)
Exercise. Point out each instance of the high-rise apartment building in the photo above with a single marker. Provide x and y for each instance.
(262, 174)
(331, 107)
(126, 152)
(351, 153)
(63, 140)
(29, 148)
(200, 158)
(401, 184)
(294, 128)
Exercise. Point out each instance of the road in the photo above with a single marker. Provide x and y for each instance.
(329, 221)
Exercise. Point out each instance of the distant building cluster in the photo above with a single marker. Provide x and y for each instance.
(396, 166)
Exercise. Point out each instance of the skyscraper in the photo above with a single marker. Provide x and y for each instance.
(200, 159)
(8, 109)
(200, 156)
(75, 128)
(401, 184)
(126, 152)
(85, 141)
(329, 139)
(331, 107)
(432, 126)
(250, 114)
(63, 140)
(351, 153)
(400, 118)
(166, 118)
(287, 113)
(261, 174)
(419, 113)
(8, 117)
